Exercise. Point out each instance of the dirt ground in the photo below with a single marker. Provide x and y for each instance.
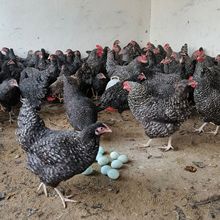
(153, 185)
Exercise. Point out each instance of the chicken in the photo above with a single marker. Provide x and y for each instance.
(95, 59)
(72, 64)
(160, 117)
(32, 58)
(117, 52)
(124, 72)
(201, 57)
(99, 83)
(130, 52)
(56, 155)
(116, 98)
(85, 76)
(207, 95)
(34, 84)
(42, 63)
(9, 95)
(81, 111)
(11, 68)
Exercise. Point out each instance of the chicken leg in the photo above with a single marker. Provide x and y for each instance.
(63, 199)
(148, 143)
(44, 188)
(215, 132)
(169, 145)
(200, 129)
(11, 120)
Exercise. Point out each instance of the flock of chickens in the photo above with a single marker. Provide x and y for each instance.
(160, 87)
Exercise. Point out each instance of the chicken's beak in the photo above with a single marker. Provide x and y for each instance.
(193, 84)
(14, 83)
(107, 129)
(142, 77)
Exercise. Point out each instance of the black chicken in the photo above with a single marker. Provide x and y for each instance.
(34, 84)
(9, 95)
(81, 111)
(85, 76)
(160, 117)
(116, 98)
(56, 155)
(99, 83)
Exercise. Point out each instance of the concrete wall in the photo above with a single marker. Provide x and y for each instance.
(195, 22)
(76, 24)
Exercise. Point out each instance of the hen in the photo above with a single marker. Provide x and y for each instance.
(81, 111)
(99, 83)
(9, 95)
(95, 59)
(124, 72)
(115, 97)
(34, 83)
(56, 155)
(207, 95)
(160, 117)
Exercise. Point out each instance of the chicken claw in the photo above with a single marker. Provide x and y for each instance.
(63, 199)
(44, 188)
(215, 132)
(200, 129)
(169, 145)
(148, 143)
(167, 148)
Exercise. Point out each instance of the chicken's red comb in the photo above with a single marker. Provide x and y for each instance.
(99, 46)
(50, 98)
(110, 109)
(200, 59)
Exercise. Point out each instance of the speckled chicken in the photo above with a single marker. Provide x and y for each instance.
(160, 117)
(81, 111)
(207, 95)
(56, 155)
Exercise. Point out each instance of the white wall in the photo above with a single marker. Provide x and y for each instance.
(195, 22)
(76, 24)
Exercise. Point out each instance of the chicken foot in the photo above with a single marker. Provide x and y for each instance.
(63, 199)
(169, 145)
(44, 188)
(215, 132)
(11, 120)
(200, 129)
(148, 143)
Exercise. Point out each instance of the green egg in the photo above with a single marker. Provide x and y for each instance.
(88, 171)
(103, 160)
(113, 174)
(105, 169)
(123, 158)
(101, 150)
(98, 156)
(114, 155)
(116, 164)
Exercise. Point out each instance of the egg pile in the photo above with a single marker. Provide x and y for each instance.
(109, 163)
